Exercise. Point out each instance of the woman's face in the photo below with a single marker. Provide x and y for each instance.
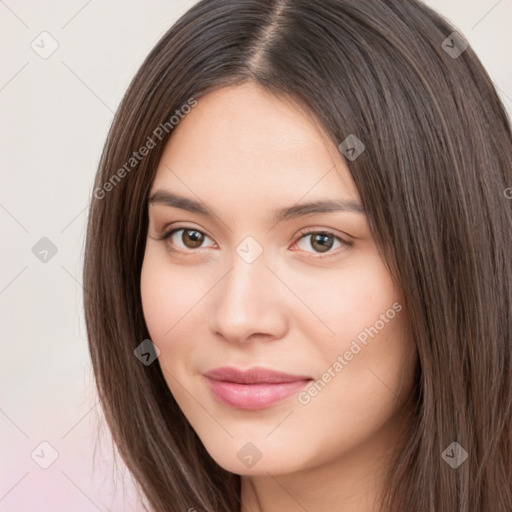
(253, 278)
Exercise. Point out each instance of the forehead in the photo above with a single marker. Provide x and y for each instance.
(243, 140)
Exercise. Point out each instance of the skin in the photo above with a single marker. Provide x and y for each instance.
(246, 153)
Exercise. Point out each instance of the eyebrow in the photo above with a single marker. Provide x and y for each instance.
(167, 198)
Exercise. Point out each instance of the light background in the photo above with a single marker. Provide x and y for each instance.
(55, 114)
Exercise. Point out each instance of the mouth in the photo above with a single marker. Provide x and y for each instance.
(256, 388)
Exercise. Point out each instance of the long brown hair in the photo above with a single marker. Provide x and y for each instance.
(434, 178)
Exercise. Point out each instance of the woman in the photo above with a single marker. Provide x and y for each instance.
(297, 272)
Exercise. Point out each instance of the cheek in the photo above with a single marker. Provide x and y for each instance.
(174, 302)
(167, 294)
(166, 297)
(157, 299)
(347, 299)
(367, 345)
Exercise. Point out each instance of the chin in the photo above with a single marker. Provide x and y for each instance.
(244, 457)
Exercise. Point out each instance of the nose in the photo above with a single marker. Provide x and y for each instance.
(249, 303)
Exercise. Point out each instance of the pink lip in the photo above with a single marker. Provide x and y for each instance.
(255, 388)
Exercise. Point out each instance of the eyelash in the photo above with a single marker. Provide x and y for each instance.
(303, 233)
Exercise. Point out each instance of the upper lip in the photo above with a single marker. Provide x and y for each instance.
(255, 375)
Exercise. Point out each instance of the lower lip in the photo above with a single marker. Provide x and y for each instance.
(254, 396)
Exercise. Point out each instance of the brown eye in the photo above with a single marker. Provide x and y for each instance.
(191, 238)
(183, 239)
(321, 242)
